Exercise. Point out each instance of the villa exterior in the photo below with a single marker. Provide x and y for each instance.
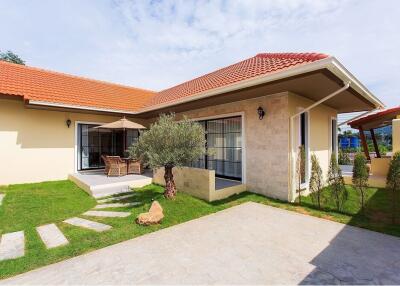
(47, 118)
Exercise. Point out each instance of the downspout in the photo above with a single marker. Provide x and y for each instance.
(292, 193)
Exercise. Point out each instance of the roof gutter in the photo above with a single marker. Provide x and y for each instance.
(79, 107)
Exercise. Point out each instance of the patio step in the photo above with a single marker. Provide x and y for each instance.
(106, 214)
(110, 191)
(102, 201)
(85, 223)
(12, 245)
(51, 235)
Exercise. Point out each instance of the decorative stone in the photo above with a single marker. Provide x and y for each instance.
(85, 223)
(107, 214)
(12, 245)
(153, 216)
(116, 205)
(115, 198)
(51, 235)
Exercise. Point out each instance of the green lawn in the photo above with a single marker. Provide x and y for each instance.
(27, 206)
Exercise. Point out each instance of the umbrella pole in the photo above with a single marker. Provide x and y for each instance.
(124, 145)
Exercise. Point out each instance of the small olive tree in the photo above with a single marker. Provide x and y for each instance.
(393, 182)
(338, 191)
(170, 143)
(360, 177)
(316, 181)
(300, 170)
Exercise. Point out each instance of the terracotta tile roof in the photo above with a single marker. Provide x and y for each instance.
(381, 114)
(259, 65)
(42, 85)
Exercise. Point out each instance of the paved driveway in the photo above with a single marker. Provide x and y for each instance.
(247, 244)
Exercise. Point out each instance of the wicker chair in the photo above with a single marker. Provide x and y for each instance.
(117, 167)
(135, 167)
(106, 164)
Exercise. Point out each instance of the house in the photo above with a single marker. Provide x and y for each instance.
(256, 112)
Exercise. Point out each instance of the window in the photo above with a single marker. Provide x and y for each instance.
(224, 142)
(334, 139)
(303, 142)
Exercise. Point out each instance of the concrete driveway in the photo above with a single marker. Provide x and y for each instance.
(247, 244)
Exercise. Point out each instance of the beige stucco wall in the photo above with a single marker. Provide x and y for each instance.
(396, 135)
(319, 130)
(37, 145)
(265, 141)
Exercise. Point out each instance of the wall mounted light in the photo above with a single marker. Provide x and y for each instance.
(68, 122)
(260, 112)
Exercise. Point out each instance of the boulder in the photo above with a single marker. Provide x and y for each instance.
(153, 216)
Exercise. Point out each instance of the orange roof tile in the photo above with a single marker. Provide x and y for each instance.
(259, 65)
(42, 85)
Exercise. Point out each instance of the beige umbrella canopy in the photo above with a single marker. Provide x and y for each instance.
(123, 124)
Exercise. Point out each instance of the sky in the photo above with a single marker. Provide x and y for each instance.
(158, 44)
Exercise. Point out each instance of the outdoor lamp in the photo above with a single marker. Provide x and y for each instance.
(68, 122)
(260, 112)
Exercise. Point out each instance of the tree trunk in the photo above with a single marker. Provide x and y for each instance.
(170, 188)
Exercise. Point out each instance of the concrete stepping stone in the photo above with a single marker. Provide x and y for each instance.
(107, 214)
(12, 245)
(51, 235)
(85, 223)
(1, 198)
(116, 205)
(115, 198)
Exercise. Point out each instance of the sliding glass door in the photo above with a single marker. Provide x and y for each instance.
(93, 142)
(224, 144)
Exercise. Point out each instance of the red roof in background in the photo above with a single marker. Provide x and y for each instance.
(259, 65)
(366, 119)
(42, 85)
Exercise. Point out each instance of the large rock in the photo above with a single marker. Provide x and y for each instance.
(154, 216)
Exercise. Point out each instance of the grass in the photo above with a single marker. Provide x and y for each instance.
(27, 206)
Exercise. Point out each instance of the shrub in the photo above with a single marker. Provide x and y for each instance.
(360, 177)
(338, 193)
(393, 182)
(344, 158)
(300, 170)
(316, 181)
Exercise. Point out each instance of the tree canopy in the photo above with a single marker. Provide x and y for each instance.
(10, 57)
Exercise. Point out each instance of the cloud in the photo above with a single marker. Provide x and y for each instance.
(157, 44)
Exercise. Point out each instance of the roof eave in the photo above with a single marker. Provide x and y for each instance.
(329, 63)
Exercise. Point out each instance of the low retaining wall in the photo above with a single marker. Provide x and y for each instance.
(197, 182)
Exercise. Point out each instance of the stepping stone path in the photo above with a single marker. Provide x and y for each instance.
(115, 198)
(1, 198)
(92, 225)
(107, 214)
(51, 235)
(115, 205)
(12, 245)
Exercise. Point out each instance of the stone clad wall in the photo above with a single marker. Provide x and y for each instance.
(266, 142)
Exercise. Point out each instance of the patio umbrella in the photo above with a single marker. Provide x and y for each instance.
(122, 124)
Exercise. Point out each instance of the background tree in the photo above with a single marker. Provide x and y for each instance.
(338, 191)
(300, 170)
(169, 143)
(10, 57)
(393, 182)
(360, 177)
(316, 181)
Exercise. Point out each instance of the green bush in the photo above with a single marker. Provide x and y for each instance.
(360, 177)
(393, 182)
(339, 193)
(316, 181)
(344, 158)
